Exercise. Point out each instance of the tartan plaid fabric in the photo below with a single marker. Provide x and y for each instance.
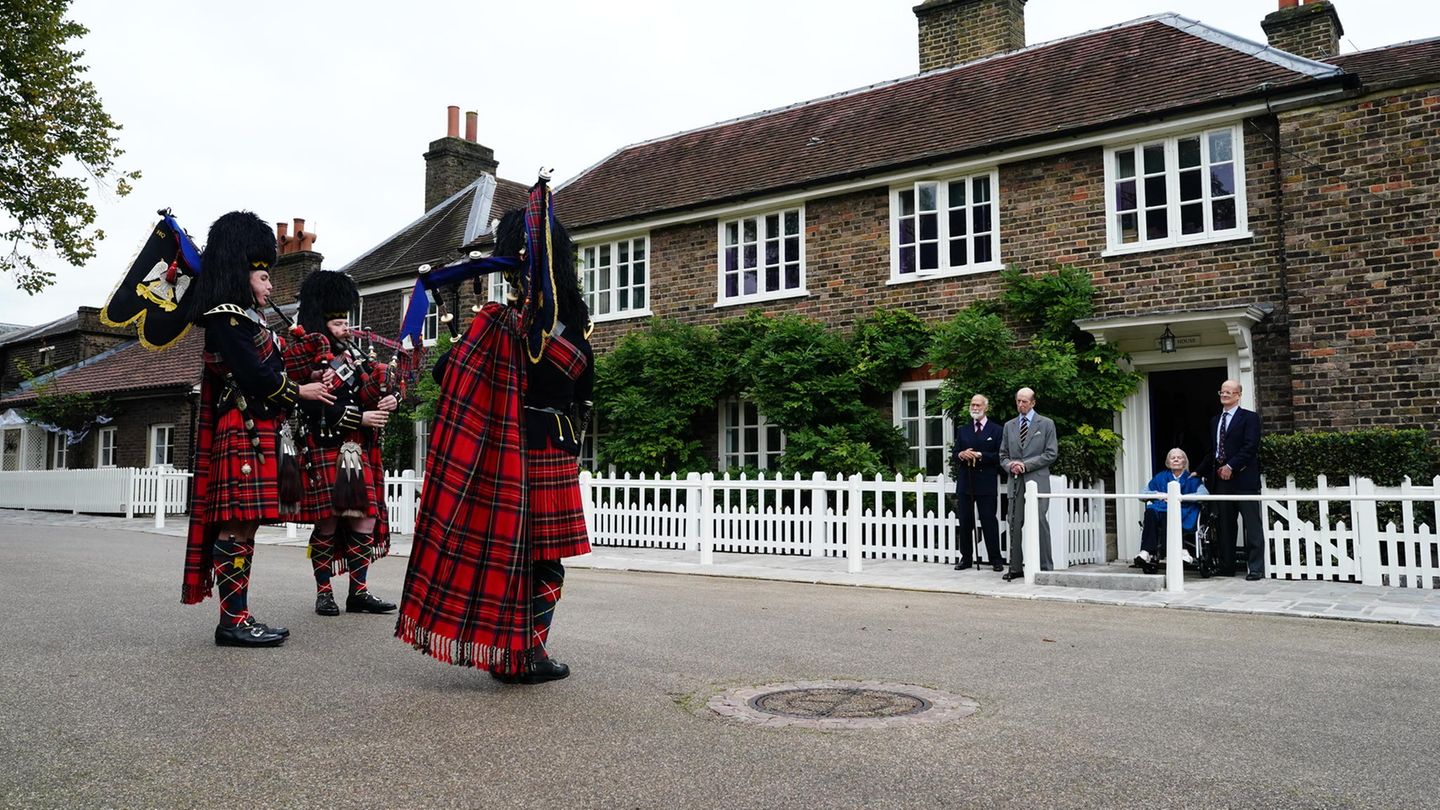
(557, 519)
(566, 357)
(222, 489)
(467, 598)
(549, 578)
(320, 481)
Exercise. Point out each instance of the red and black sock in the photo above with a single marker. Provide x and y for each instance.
(357, 557)
(548, 576)
(322, 551)
(233, 556)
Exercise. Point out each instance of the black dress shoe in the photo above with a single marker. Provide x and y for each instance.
(1009, 575)
(283, 632)
(365, 602)
(962, 565)
(541, 671)
(249, 634)
(997, 567)
(1253, 577)
(325, 604)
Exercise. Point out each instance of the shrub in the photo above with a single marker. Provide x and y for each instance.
(1384, 456)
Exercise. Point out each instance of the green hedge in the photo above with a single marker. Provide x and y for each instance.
(1384, 456)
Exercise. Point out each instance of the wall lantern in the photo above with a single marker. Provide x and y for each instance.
(1167, 341)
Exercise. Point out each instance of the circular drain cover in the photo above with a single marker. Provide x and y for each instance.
(840, 705)
(847, 703)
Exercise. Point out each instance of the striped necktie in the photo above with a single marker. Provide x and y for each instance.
(1024, 429)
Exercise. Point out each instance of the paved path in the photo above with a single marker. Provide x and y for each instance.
(1307, 598)
(112, 695)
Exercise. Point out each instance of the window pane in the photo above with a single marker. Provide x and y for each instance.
(1125, 196)
(732, 285)
(749, 230)
(927, 196)
(623, 251)
(772, 278)
(907, 203)
(772, 225)
(929, 226)
(957, 193)
(1222, 180)
(1129, 228)
(1190, 185)
(1223, 213)
(751, 278)
(1154, 158)
(1125, 163)
(929, 256)
(732, 233)
(1221, 147)
(639, 251)
(907, 260)
(732, 259)
(958, 252)
(1192, 217)
(792, 223)
(792, 248)
(934, 461)
(750, 255)
(907, 232)
(911, 404)
(792, 276)
(982, 189)
(1189, 152)
(1156, 225)
(957, 222)
(982, 219)
(639, 273)
(1155, 191)
(605, 254)
(622, 299)
(984, 249)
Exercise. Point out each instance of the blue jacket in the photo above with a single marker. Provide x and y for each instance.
(1189, 485)
(984, 477)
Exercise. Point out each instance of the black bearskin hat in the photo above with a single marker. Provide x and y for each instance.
(239, 242)
(324, 296)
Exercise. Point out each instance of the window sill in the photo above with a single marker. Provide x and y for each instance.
(1125, 250)
(620, 316)
(988, 267)
(756, 299)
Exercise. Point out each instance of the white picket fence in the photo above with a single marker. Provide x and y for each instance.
(856, 518)
(127, 491)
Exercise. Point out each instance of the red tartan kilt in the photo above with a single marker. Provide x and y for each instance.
(320, 485)
(242, 486)
(557, 518)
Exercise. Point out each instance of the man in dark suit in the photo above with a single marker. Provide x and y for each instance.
(1234, 464)
(1028, 446)
(975, 462)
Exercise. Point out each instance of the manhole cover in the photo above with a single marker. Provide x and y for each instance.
(836, 702)
(840, 705)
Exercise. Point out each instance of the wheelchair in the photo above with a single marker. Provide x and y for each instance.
(1203, 543)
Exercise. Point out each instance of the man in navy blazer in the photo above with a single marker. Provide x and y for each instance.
(1234, 465)
(975, 463)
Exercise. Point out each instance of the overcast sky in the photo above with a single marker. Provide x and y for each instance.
(321, 109)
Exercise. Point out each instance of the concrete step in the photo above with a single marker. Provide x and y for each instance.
(1102, 578)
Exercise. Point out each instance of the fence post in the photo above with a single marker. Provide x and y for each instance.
(707, 519)
(1030, 534)
(1058, 510)
(853, 507)
(160, 498)
(1367, 532)
(587, 502)
(819, 503)
(1174, 565)
(129, 493)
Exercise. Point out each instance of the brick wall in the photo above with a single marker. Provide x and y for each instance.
(453, 163)
(132, 421)
(1364, 253)
(953, 32)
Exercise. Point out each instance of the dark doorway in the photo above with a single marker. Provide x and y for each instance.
(1182, 403)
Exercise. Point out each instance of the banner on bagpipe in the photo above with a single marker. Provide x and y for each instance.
(152, 295)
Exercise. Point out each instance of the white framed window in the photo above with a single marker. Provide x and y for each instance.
(590, 445)
(762, 257)
(46, 355)
(924, 424)
(747, 439)
(59, 452)
(615, 278)
(105, 447)
(357, 313)
(162, 445)
(430, 330)
(945, 227)
(422, 442)
(1175, 191)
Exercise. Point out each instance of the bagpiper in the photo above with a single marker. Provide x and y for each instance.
(244, 396)
(501, 504)
(339, 441)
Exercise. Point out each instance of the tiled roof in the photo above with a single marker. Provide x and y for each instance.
(128, 368)
(1134, 71)
(434, 238)
(64, 323)
(1396, 65)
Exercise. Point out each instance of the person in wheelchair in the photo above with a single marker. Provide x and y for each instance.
(1152, 533)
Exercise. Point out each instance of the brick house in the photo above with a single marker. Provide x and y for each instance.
(1272, 206)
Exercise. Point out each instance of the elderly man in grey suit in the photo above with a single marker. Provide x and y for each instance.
(1027, 449)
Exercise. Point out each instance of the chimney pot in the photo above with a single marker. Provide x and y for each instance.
(299, 227)
(452, 121)
(471, 119)
(1289, 3)
(282, 228)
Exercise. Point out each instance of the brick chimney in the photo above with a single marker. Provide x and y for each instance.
(454, 162)
(297, 260)
(953, 32)
(1309, 29)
